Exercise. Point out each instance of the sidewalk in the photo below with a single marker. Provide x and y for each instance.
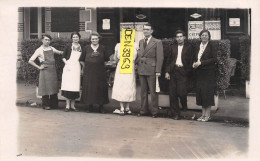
(231, 109)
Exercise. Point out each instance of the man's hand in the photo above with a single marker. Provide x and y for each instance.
(158, 74)
(167, 76)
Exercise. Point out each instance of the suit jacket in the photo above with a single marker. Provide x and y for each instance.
(209, 57)
(186, 58)
(150, 59)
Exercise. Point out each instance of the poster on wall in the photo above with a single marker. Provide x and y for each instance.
(214, 29)
(194, 28)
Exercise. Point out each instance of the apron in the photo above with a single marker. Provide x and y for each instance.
(48, 80)
(71, 73)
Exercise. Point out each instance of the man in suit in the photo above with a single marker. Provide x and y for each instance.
(150, 60)
(178, 67)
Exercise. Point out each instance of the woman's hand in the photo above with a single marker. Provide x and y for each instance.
(42, 67)
(196, 65)
(167, 76)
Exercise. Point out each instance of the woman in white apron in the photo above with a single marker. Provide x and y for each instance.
(70, 86)
(48, 80)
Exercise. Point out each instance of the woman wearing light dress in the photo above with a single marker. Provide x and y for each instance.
(70, 86)
(124, 88)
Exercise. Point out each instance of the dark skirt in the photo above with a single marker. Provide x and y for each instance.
(205, 87)
(70, 94)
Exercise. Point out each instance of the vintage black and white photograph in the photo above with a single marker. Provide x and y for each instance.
(132, 81)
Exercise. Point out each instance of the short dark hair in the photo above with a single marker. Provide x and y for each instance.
(180, 31)
(94, 33)
(148, 24)
(207, 31)
(46, 35)
(75, 33)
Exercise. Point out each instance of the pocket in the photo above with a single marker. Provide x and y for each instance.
(153, 64)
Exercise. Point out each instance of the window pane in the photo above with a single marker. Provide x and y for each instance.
(33, 20)
(64, 19)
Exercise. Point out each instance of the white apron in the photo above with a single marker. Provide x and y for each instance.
(71, 73)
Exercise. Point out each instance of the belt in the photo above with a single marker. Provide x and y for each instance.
(180, 66)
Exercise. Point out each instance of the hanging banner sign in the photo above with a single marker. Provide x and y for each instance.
(127, 51)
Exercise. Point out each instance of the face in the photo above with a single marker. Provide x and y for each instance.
(94, 40)
(147, 31)
(46, 41)
(204, 37)
(180, 38)
(75, 38)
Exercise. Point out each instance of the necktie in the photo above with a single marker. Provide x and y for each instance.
(145, 42)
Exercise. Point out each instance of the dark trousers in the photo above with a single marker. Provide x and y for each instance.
(178, 89)
(148, 81)
(50, 101)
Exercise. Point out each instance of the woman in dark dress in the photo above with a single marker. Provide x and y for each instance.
(205, 59)
(95, 90)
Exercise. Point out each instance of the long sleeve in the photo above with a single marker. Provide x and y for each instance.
(213, 56)
(168, 62)
(83, 54)
(159, 56)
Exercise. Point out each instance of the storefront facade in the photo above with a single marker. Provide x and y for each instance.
(60, 22)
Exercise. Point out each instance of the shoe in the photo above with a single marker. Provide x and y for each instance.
(66, 109)
(74, 109)
(121, 113)
(128, 112)
(177, 117)
(205, 119)
(101, 109)
(47, 108)
(154, 116)
(201, 117)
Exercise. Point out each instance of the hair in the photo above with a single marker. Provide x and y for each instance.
(94, 34)
(46, 35)
(75, 33)
(148, 24)
(180, 31)
(207, 31)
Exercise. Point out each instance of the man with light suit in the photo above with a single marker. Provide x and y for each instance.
(150, 60)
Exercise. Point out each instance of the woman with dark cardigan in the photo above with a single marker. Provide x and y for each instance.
(70, 85)
(94, 85)
(205, 58)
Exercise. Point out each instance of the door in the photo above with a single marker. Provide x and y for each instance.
(108, 27)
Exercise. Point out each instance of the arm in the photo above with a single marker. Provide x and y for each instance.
(159, 58)
(65, 54)
(55, 51)
(213, 59)
(32, 59)
(168, 65)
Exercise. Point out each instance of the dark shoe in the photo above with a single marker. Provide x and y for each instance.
(47, 108)
(154, 116)
(177, 117)
(184, 109)
(66, 109)
(101, 109)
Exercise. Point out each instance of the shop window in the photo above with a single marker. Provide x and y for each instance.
(64, 19)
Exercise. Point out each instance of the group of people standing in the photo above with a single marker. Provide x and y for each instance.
(148, 56)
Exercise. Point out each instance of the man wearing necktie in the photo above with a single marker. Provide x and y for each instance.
(150, 60)
(178, 66)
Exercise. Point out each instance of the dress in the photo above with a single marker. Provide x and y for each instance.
(94, 85)
(124, 88)
(206, 76)
(70, 85)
